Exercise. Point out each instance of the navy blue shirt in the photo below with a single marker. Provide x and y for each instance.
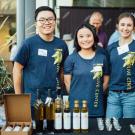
(83, 85)
(121, 77)
(39, 70)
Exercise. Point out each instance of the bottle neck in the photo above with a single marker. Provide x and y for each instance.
(84, 105)
(76, 105)
(66, 106)
(58, 106)
(49, 92)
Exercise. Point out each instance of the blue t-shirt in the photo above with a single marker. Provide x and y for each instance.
(83, 86)
(40, 71)
(121, 77)
(102, 51)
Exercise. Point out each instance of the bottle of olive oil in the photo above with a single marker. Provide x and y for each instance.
(44, 121)
(67, 118)
(58, 116)
(39, 113)
(76, 117)
(59, 97)
(84, 117)
(50, 112)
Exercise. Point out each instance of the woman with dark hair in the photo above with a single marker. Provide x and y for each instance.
(86, 71)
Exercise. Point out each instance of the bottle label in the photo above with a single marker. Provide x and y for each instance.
(84, 120)
(67, 120)
(58, 120)
(76, 120)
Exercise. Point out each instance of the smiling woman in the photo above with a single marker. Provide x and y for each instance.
(91, 82)
(120, 103)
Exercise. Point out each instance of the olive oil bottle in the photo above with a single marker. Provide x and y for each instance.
(58, 116)
(67, 118)
(44, 121)
(84, 117)
(39, 113)
(50, 112)
(76, 117)
(59, 97)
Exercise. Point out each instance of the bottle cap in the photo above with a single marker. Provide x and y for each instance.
(76, 102)
(84, 101)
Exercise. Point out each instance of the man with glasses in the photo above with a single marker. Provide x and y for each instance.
(39, 62)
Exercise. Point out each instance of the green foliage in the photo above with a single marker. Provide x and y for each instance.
(6, 83)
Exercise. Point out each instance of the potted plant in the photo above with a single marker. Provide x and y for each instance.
(6, 83)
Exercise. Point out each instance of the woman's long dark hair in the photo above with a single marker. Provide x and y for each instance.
(92, 29)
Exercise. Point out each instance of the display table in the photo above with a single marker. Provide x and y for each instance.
(93, 129)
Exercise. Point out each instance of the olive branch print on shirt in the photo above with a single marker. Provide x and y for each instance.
(129, 59)
(57, 56)
(97, 71)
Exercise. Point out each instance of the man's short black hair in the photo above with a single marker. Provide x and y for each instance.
(44, 8)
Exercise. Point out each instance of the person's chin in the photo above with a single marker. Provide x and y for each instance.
(47, 32)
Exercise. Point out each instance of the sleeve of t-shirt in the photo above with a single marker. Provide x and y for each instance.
(22, 54)
(65, 53)
(106, 68)
(68, 65)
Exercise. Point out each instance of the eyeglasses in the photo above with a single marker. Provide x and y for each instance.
(44, 20)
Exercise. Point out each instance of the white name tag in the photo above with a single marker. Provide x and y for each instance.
(97, 68)
(122, 49)
(42, 52)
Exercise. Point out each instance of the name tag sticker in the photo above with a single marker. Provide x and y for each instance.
(97, 68)
(122, 49)
(42, 52)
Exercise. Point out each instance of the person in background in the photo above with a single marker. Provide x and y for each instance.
(39, 62)
(86, 72)
(12, 44)
(69, 41)
(13, 52)
(96, 19)
(121, 99)
(114, 37)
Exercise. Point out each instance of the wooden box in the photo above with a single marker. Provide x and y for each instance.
(18, 113)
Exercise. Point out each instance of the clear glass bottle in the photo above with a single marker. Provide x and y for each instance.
(76, 117)
(59, 97)
(84, 117)
(67, 118)
(58, 116)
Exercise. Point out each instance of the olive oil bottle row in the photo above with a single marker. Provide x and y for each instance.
(64, 122)
(80, 117)
(59, 117)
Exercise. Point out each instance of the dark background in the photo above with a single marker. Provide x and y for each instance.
(71, 17)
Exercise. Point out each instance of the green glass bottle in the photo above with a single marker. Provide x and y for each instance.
(39, 113)
(50, 108)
